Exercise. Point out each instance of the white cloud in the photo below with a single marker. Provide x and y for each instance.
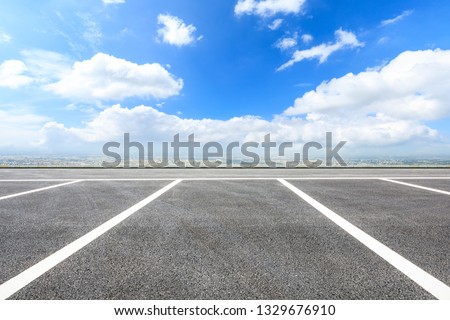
(4, 37)
(287, 43)
(46, 66)
(174, 31)
(275, 24)
(412, 86)
(37, 66)
(12, 74)
(344, 40)
(266, 8)
(396, 19)
(104, 77)
(148, 124)
(112, 122)
(113, 1)
(101, 78)
(307, 38)
(380, 110)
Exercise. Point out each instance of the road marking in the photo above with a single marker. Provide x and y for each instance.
(416, 186)
(21, 280)
(371, 178)
(36, 180)
(38, 190)
(434, 286)
(99, 179)
(278, 177)
(229, 178)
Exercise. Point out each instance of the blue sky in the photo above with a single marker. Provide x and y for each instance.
(75, 73)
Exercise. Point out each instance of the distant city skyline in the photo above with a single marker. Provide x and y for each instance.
(75, 75)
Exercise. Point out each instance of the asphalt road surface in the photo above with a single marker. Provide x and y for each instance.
(225, 234)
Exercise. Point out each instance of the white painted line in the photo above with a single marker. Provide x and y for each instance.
(38, 190)
(286, 178)
(233, 178)
(371, 178)
(416, 186)
(274, 178)
(100, 179)
(21, 280)
(434, 286)
(189, 179)
(36, 180)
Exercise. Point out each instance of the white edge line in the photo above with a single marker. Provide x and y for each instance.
(35, 180)
(24, 278)
(88, 179)
(371, 178)
(416, 186)
(434, 286)
(229, 178)
(38, 190)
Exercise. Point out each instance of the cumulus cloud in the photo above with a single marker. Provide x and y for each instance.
(382, 107)
(275, 24)
(385, 109)
(413, 86)
(344, 40)
(105, 77)
(396, 19)
(101, 78)
(287, 43)
(387, 106)
(12, 74)
(174, 31)
(145, 123)
(266, 8)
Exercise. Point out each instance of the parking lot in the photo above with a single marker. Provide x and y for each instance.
(225, 234)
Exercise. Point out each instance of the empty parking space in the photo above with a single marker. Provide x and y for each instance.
(221, 234)
(35, 225)
(414, 223)
(225, 240)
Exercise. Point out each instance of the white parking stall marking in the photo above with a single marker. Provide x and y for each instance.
(38, 190)
(434, 286)
(416, 186)
(21, 280)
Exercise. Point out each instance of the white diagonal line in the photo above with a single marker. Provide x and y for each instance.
(21, 280)
(416, 186)
(38, 190)
(434, 286)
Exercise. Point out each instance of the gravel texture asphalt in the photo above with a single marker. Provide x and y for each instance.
(224, 239)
